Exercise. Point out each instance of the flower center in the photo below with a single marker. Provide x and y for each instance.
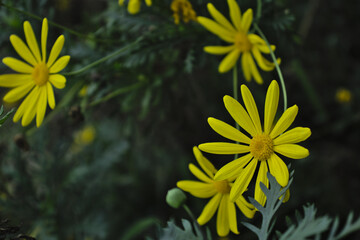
(40, 74)
(261, 146)
(222, 186)
(242, 42)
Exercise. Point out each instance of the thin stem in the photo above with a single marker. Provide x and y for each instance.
(187, 209)
(116, 93)
(258, 10)
(55, 24)
(101, 60)
(236, 97)
(281, 78)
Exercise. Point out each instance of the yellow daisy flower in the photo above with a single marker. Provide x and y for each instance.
(343, 95)
(262, 147)
(36, 76)
(134, 5)
(218, 191)
(249, 46)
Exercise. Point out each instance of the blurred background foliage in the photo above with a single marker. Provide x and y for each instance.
(122, 133)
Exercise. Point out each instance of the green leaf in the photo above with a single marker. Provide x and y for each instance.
(307, 226)
(173, 232)
(7, 115)
(274, 196)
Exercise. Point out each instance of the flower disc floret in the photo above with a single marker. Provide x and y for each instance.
(222, 186)
(261, 147)
(40, 74)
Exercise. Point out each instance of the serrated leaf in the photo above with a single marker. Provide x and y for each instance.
(7, 115)
(173, 232)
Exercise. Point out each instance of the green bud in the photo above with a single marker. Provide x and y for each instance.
(175, 197)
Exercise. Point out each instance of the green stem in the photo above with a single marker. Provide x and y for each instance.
(281, 78)
(101, 60)
(116, 93)
(236, 97)
(258, 10)
(55, 24)
(187, 209)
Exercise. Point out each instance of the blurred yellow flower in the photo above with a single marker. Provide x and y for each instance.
(343, 95)
(248, 46)
(85, 136)
(261, 147)
(83, 91)
(134, 5)
(218, 191)
(37, 76)
(182, 10)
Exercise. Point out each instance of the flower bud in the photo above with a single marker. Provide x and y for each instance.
(175, 197)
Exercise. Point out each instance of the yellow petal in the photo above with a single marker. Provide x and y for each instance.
(50, 93)
(279, 170)
(253, 69)
(220, 18)
(121, 2)
(205, 164)
(239, 114)
(55, 50)
(256, 39)
(219, 50)
(242, 182)
(286, 119)
(19, 92)
(216, 29)
(224, 148)
(197, 189)
(21, 49)
(246, 208)
(228, 131)
(209, 209)
(245, 66)
(17, 65)
(148, 3)
(287, 196)
(233, 168)
(251, 107)
(134, 6)
(24, 105)
(41, 106)
(29, 113)
(60, 64)
(262, 62)
(57, 80)
(44, 34)
(31, 41)
(292, 151)
(229, 61)
(235, 14)
(271, 105)
(232, 216)
(199, 174)
(294, 135)
(14, 80)
(247, 20)
(222, 220)
(259, 194)
(265, 48)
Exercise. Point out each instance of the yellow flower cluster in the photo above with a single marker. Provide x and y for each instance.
(182, 10)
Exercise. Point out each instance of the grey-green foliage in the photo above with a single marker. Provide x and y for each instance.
(6, 116)
(274, 195)
(173, 232)
(307, 226)
(348, 228)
